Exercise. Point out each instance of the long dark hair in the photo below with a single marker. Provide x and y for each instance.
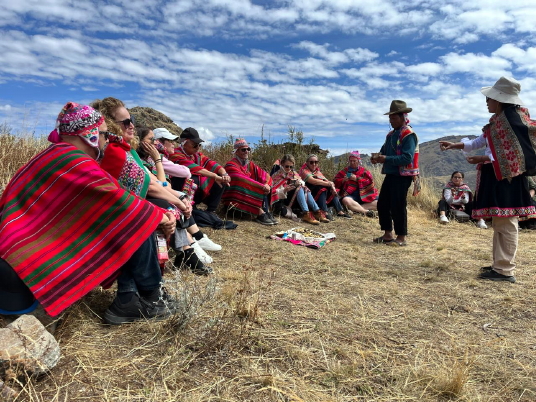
(141, 133)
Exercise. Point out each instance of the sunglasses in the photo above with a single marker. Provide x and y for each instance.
(194, 145)
(245, 149)
(127, 122)
(313, 162)
(105, 133)
(288, 166)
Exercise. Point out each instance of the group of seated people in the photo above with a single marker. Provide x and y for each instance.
(88, 210)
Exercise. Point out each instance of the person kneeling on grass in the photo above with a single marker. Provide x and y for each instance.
(457, 201)
(356, 186)
(66, 226)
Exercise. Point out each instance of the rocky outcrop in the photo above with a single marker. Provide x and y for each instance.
(148, 117)
(26, 347)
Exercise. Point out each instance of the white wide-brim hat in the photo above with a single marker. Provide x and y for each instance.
(506, 90)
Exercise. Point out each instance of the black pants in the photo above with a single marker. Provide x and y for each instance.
(14, 294)
(443, 205)
(392, 203)
(212, 200)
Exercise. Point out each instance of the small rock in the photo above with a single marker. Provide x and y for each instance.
(26, 345)
(7, 393)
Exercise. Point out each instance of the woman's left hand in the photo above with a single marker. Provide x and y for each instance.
(473, 160)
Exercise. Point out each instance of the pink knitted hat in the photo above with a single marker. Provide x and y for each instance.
(240, 143)
(354, 154)
(80, 120)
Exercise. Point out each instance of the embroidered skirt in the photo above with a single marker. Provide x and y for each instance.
(501, 198)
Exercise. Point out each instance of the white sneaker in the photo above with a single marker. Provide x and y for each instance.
(481, 224)
(201, 254)
(443, 219)
(206, 244)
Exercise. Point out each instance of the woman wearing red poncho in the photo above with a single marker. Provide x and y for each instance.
(66, 226)
(250, 187)
(356, 186)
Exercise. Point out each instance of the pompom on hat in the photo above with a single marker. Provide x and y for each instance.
(505, 90)
(79, 120)
(240, 143)
(354, 154)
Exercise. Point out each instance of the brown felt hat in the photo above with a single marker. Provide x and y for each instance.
(398, 106)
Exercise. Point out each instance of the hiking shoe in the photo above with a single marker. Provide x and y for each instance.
(321, 216)
(443, 219)
(370, 214)
(344, 215)
(203, 256)
(495, 276)
(264, 219)
(482, 269)
(275, 221)
(135, 310)
(481, 224)
(309, 218)
(206, 244)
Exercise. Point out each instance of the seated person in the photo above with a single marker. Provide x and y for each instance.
(210, 177)
(66, 226)
(289, 187)
(529, 222)
(123, 162)
(250, 187)
(324, 191)
(457, 200)
(356, 186)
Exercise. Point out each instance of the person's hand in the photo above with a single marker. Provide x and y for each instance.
(219, 180)
(226, 178)
(266, 188)
(379, 159)
(188, 210)
(473, 160)
(444, 145)
(353, 177)
(289, 188)
(168, 224)
(151, 150)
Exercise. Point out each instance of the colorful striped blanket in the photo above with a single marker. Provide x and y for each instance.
(316, 190)
(195, 163)
(245, 191)
(364, 183)
(66, 226)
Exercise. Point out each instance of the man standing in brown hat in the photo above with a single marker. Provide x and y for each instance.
(399, 155)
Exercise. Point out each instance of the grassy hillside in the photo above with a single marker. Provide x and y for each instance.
(276, 322)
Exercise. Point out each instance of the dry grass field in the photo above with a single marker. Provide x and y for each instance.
(353, 321)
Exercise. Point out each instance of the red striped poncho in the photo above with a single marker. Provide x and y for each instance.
(364, 183)
(317, 190)
(245, 191)
(195, 163)
(66, 225)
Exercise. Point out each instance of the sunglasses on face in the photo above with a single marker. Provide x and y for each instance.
(127, 122)
(150, 139)
(194, 145)
(288, 166)
(245, 149)
(105, 133)
(313, 162)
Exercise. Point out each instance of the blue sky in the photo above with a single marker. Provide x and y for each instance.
(235, 67)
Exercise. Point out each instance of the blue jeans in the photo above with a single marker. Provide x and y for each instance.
(141, 271)
(305, 205)
(322, 202)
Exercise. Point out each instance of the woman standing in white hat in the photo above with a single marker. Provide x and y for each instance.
(502, 189)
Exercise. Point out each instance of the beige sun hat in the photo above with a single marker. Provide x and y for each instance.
(506, 90)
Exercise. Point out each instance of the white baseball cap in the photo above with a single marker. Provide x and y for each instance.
(164, 133)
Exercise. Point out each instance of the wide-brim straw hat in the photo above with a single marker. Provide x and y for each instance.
(398, 106)
(505, 90)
